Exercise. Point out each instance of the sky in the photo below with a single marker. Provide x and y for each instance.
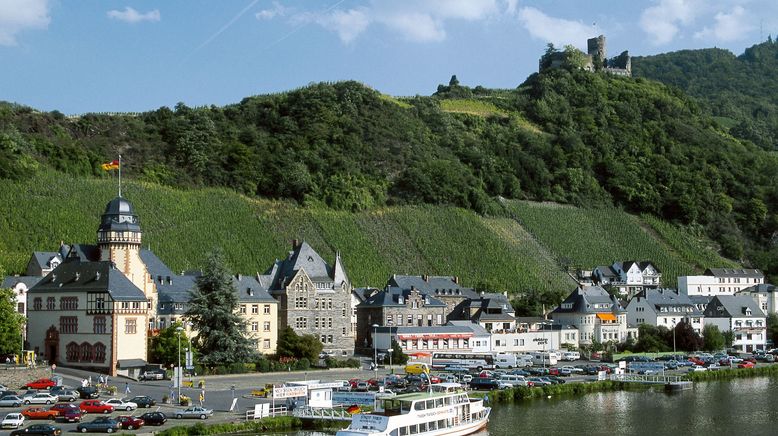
(79, 56)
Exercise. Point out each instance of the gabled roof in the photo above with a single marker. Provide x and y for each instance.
(12, 281)
(733, 306)
(83, 252)
(585, 299)
(478, 329)
(642, 265)
(303, 257)
(605, 271)
(734, 272)
(43, 258)
(74, 275)
(390, 297)
(674, 301)
(250, 290)
(442, 286)
(154, 265)
(762, 288)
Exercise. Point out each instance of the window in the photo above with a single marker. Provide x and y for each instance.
(300, 302)
(99, 325)
(440, 319)
(20, 308)
(85, 352)
(323, 339)
(99, 352)
(410, 319)
(266, 326)
(242, 309)
(266, 309)
(136, 305)
(162, 323)
(255, 309)
(266, 344)
(130, 326)
(329, 304)
(301, 322)
(389, 320)
(68, 324)
(255, 326)
(329, 322)
(344, 331)
(37, 303)
(50, 303)
(71, 352)
(68, 303)
(329, 339)
(316, 322)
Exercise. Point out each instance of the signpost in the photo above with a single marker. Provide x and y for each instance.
(290, 391)
(189, 364)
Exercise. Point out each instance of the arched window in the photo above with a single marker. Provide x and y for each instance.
(71, 352)
(99, 350)
(85, 352)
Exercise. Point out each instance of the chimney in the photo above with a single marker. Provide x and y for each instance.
(456, 279)
(425, 277)
(238, 276)
(97, 275)
(295, 243)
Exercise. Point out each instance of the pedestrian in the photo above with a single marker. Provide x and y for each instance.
(126, 388)
(172, 394)
(106, 381)
(202, 397)
(90, 381)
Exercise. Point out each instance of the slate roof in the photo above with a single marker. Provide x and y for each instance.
(762, 288)
(733, 306)
(303, 257)
(11, 281)
(671, 299)
(74, 275)
(116, 208)
(605, 271)
(244, 284)
(465, 327)
(584, 299)
(477, 329)
(84, 252)
(42, 258)
(625, 266)
(154, 265)
(734, 272)
(390, 297)
(433, 285)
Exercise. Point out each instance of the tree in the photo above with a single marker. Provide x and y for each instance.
(574, 58)
(772, 327)
(651, 338)
(11, 323)
(454, 81)
(290, 344)
(398, 357)
(713, 339)
(685, 337)
(729, 338)
(163, 348)
(212, 310)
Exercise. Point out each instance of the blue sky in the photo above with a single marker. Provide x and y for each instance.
(80, 56)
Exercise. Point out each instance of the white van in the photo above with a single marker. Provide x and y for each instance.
(506, 360)
(571, 356)
(513, 380)
(544, 359)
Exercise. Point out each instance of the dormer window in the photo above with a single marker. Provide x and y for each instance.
(249, 291)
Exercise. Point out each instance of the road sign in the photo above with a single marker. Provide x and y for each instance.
(189, 364)
(290, 391)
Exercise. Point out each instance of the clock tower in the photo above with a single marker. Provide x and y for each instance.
(119, 241)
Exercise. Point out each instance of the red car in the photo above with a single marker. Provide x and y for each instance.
(435, 379)
(95, 406)
(746, 364)
(696, 361)
(41, 383)
(67, 412)
(36, 412)
(130, 422)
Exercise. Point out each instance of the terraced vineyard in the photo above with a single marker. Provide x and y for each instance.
(182, 226)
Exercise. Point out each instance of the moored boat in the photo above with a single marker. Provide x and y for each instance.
(446, 410)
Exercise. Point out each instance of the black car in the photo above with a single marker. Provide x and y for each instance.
(484, 383)
(38, 429)
(88, 392)
(143, 401)
(154, 418)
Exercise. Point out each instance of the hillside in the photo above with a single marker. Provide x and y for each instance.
(563, 136)
(517, 254)
(741, 92)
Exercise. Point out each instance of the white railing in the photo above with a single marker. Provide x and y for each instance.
(322, 413)
(642, 378)
(274, 411)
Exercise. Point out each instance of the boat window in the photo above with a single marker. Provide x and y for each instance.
(441, 423)
(433, 425)
(438, 402)
(422, 427)
(413, 429)
(403, 431)
(419, 405)
(392, 407)
(393, 432)
(430, 404)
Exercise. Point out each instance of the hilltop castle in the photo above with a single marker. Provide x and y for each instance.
(596, 59)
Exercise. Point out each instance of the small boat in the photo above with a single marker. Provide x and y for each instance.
(445, 410)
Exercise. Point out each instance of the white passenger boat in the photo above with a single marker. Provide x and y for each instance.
(446, 410)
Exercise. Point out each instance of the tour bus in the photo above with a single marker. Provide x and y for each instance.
(544, 358)
(510, 360)
(462, 361)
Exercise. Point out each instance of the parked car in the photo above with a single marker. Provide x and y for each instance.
(95, 406)
(88, 392)
(38, 412)
(143, 401)
(194, 412)
(362, 386)
(130, 422)
(38, 430)
(67, 412)
(157, 374)
(154, 418)
(41, 383)
(538, 381)
(10, 401)
(12, 420)
(41, 398)
(484, 383)
(746, 364)
(120, 404)
(101, 423)
(69, 395)
(697, 368)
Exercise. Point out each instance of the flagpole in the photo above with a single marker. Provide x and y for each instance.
(120, 175)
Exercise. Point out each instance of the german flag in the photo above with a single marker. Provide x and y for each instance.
(353, 409)
(113, 165)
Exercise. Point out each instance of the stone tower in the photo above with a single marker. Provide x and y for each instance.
(119, 240)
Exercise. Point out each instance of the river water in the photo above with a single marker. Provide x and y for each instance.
(737, 407)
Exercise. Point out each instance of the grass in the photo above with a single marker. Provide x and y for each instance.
(472, 107)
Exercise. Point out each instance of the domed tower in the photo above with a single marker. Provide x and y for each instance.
(119, 239)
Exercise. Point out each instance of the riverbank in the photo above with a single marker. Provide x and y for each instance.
(264, 425)
(568, 389)
(727, 374)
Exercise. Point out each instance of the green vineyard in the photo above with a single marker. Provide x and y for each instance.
(529, 250)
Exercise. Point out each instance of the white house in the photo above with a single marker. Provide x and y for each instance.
(720, 281)
(464, 336)
(741, 315)
(664, 307)
(539, 336)
(765, 296)
(628, 278)
(597, 315)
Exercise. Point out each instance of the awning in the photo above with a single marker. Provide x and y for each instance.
(606, 316)
(429, 336)
(131, 363)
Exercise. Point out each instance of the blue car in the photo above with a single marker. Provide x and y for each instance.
(100, 424)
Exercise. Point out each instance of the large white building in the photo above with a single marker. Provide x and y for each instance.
(597, 315)
(765, 296)
(664, 307)
(720, 281)
(741, 315)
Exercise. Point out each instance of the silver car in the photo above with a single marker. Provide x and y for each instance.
(41, 398)
(10, 401)
(194, 412)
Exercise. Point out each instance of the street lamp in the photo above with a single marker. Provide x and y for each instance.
(375, 349)
(179, 329)
(390, 351)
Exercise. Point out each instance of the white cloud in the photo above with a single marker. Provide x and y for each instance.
(347, 24)
(278, 10)
(728, 27)
(557, 31)
(130, 15)
(19, 15)
(662, 21)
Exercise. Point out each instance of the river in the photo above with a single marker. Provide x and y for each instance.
(738, 407)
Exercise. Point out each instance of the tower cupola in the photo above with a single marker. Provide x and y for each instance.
(119, 224)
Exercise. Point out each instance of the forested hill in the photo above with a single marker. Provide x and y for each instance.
(565, 136)
(741, 92)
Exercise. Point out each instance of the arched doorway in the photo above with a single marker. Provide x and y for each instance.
(52, 345)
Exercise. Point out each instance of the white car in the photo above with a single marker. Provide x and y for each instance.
(12, 420)
(120, 404)
(573, 369)
(41, 398)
